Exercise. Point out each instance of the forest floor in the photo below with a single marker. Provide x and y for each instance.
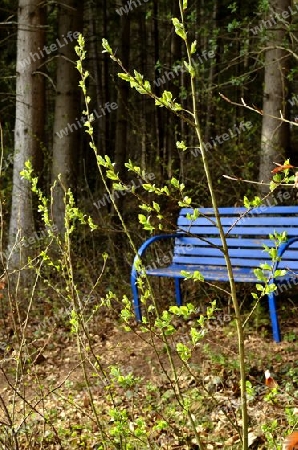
(48, 405)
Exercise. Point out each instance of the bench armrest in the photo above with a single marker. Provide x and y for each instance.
(149, 241)
(134, 272)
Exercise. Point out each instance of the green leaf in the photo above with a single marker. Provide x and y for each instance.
(145, 207)
(196, 275)
(176, 107)
(147, 86)
(194, 215)
(166, 190)
(145, 221)
(125, 76)
(112, 175)
(181, 145)
(273, 253)
(184, 7)
(105, 44)
(118, 187)
(156, 206)
(272, 186)
(148, 187)
(175, 182)
(167, 96)
(257, 201)
(183, 351)
(159, 103)
(179, 28)
(185, 203)
(193, 47)
(195, 335)
(165, 99)
(232, 25)
(246, 202)
(259, 287)
(190, 69)
(279, 273)
(265, 266)
(260, 275)
(271, 288)
(101, 161)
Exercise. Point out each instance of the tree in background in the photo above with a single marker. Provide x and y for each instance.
(67, 116)
(29, 124)
(120, 153)
(275, 134)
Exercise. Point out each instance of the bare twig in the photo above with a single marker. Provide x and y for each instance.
(256, 110)
(262, 183)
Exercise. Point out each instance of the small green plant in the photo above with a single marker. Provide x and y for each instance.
(270, 430)
(290, 336)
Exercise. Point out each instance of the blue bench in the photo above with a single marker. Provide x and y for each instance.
(197, 247)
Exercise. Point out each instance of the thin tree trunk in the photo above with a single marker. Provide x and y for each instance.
(143, 109)
(122, 101)
(96, 58)
(174, 125)
(275, 135)
(158, 89)
(29, 126)
(67, 109)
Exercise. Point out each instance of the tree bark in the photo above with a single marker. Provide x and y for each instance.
(29, 127)
(67, 109)
(275, 134)
(173, 123)
(122, 101)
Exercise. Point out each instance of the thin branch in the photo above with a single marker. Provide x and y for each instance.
(256, 182)
(45, 75)
(256, 110)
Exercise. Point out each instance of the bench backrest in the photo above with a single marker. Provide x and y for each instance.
(245, 237)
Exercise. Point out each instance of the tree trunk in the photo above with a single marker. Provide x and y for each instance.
(158, 90)
(275, 134)
(98, 94)
(173, 123)
(68, 120)
(122, 101)
(29, 126)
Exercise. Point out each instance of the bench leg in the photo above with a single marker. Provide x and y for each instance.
(273, 316)
(135, 293)
(178, 291)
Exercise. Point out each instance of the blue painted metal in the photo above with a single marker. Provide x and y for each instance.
(135, 274)
(178, 291)
(274, 317)
(198, 247)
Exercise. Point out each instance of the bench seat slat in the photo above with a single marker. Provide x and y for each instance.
(244, 262)
(271, 222)
(211, 273)
(237, 211)
(238, 231)
(256, 253)
(231, 242)
(253, 263)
